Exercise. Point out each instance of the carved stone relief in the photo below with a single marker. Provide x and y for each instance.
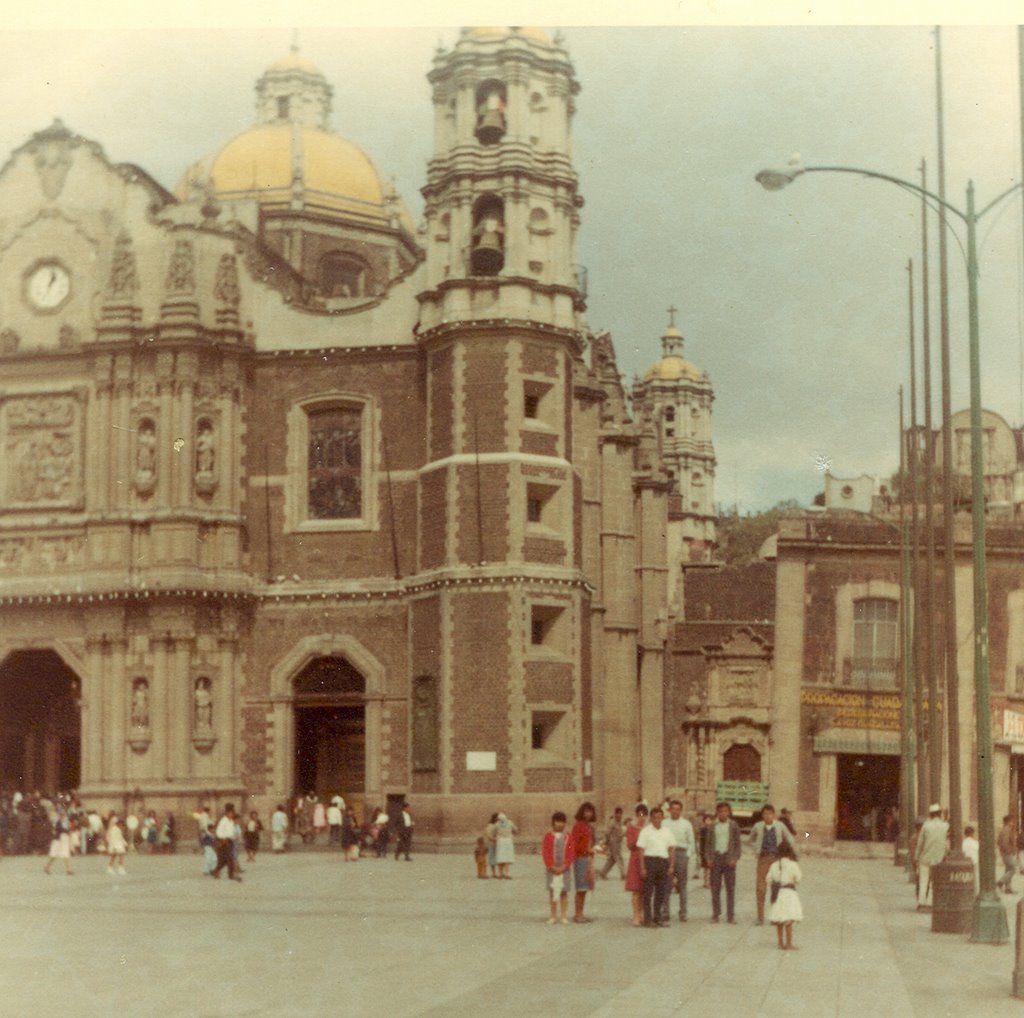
(206, 456)
(42, 451)
(53, 157)
(225, 287)
(124, 278)
(139, 734)
(181, 278)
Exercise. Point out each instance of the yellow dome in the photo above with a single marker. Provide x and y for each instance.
(259, 163)
(295, 62)
(673, 369)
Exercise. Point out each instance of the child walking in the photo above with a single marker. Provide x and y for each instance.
(557, 852)
(116, 845)
(253, 826)
(480, 855)
(785, 907)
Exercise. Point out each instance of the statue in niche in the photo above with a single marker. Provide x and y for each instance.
(145, 456)
(140, 703)
(203, 709)
(424, 724)
(205, 448)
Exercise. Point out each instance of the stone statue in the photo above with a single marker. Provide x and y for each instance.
(140, 703)
(145, 454)
(205, 448)
(203, 705)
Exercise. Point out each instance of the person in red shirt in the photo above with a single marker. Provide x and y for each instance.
(583, 843)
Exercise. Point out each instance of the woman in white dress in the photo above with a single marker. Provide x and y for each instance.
(785, 908)
(504, 847)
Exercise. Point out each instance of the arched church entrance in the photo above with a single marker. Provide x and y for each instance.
(40, 722)
(330, 731)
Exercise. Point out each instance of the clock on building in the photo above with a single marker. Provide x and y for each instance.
(47, 285)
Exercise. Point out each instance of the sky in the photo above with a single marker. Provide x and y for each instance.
(795, 302)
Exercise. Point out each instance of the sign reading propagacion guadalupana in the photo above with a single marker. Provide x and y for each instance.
(481, 761)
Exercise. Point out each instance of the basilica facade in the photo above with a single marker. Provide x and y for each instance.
(298, 496)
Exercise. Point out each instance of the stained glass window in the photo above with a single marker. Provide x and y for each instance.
(335, 464)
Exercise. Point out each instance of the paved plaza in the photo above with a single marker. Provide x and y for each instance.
(307, 933)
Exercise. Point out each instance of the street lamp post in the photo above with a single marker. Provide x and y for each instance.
(990, 925)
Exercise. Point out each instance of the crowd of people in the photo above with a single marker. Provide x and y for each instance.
(653, 851)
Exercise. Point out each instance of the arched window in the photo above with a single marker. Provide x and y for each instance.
(490, 111)
(874, 643)
(335, 463)
(488, 252)
(342, 275)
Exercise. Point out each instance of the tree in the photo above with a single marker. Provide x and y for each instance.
(740, 536)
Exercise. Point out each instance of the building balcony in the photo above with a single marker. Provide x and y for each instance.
(870, 673)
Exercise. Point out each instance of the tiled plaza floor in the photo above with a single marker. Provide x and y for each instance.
(306, 934)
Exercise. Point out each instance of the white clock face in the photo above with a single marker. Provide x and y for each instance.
(48, 286)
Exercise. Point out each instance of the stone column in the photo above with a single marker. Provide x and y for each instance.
(180, 703)
(115, 702)
(159, 763)
(787, 681)
(164, 428)
(225, 704)
(184, 461)
(92, 711)
(122, 437)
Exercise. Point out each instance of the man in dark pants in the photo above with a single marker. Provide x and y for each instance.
(658, 845)
(224, 844)
(725, 853)
(404, 826)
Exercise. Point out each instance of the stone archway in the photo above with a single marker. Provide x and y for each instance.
(299, 684)
(40, 721)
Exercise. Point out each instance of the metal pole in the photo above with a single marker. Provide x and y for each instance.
(956, 821)
(926, 592)
(907, 810)
(990, 925)
(920, 743)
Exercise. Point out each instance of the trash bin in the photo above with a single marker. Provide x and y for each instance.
(952, 896)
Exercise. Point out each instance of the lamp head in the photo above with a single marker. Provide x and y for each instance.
(775, 178)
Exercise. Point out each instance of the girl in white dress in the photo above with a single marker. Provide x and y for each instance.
(116, 845)
(785, 908)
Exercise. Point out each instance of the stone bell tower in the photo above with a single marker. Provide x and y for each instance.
(505, 627)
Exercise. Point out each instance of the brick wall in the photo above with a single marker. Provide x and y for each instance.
(538, 443)
(549, 681)
(485, 395)
(489, 520)
(540, 359)
(544, 549)
(479, 681)
(425, 619)
(255, 757)
(553, 779)
(433, 518)
(442, 403)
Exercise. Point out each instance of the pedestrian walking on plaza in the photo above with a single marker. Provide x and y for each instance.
(613, 836)
(381, 832)
(253, 826)
(131, 824)
(584, 841)
(971, 850)
(491, 837)
(657, 845)
(350, 835)
(279, 829)
(504, 846)
(225, 844)
(319, 819)
(726, 849)
(783, 876)
(334, 822)
(1006, 842)
(705, 846)
(556, 851)
(60, 844)
(117, 846)
(686, 849)
(931, 850)
(405, 825)
(480, 858)
(766, 836)
(634, 870)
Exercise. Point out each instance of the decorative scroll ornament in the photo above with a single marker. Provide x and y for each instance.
(124, 278)
(181, 276)
(225, 287)
(53, 158)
